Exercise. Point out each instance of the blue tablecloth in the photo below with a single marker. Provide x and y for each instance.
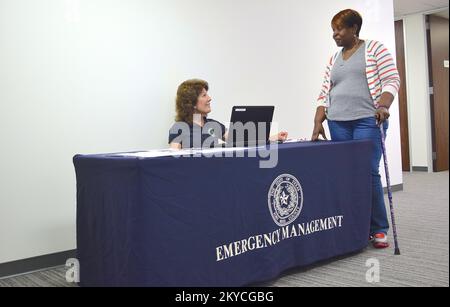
(218, 221)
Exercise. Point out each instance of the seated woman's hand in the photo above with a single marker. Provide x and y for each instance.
(280, 137)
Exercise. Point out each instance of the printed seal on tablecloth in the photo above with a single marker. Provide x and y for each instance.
(285, 199)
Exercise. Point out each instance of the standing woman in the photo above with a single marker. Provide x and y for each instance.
(360, 84)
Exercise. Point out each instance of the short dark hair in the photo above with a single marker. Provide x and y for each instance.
(187, 97)
(348, 18)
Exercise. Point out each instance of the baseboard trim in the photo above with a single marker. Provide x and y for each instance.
(420, 169)
(395, 188)
(35, 264)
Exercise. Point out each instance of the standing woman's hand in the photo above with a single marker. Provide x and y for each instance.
(319, 118)
(382, 114)
(318, 131)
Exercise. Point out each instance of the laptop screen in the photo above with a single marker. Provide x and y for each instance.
(250, 126)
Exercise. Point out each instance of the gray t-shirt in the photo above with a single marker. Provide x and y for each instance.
(350, 97)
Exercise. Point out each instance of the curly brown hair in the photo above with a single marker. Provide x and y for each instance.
(348, 18)
(187, 96)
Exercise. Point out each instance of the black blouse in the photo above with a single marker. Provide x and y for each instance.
(194, 136)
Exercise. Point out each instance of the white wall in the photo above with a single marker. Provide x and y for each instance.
(93, 76)
(417, 88)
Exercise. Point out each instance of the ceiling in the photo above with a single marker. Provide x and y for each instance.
(406, 7)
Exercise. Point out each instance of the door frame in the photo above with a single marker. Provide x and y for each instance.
(403, 96)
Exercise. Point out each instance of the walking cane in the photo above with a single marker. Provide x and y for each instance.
(388, 181)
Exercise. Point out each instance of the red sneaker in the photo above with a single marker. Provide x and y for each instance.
(380, 241)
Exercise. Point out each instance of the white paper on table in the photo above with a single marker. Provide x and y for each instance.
(294, 141)
(184, 152)
(159, 153)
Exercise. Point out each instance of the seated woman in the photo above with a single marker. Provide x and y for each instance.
(193, 128)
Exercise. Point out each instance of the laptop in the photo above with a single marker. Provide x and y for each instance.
(250, 126)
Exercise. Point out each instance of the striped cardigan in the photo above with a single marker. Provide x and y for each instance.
(381, 72)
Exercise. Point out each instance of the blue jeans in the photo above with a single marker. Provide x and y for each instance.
(367, 128)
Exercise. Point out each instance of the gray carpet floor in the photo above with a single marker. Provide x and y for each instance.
(422, 211)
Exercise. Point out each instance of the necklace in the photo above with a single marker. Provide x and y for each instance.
(347, 54)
